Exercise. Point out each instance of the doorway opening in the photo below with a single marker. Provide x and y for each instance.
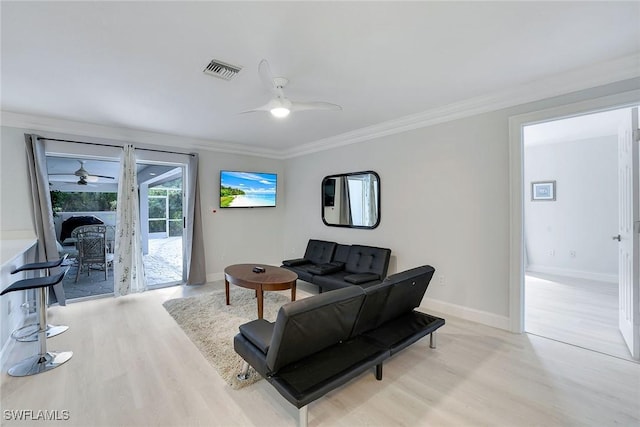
(83, 192)
(571, 217)
(162, 201)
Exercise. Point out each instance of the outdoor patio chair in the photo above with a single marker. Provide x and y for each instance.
(110, 231)
(92, 250)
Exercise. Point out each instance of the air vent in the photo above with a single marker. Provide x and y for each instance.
(222, 70)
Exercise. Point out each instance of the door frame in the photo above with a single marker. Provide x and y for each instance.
(144, 204)
(516, 182)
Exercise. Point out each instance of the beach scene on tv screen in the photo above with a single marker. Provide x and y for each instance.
(247, 189)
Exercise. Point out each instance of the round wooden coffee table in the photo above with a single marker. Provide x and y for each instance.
(273, 279)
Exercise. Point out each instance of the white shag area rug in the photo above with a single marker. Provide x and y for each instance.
(211, 325)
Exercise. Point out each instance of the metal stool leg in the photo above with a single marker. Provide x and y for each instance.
(29, 333)
(44, 360)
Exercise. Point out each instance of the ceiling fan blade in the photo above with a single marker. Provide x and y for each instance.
(265, 107)
(100, 176)
(63, 174)
(306, 106)
(265, 75)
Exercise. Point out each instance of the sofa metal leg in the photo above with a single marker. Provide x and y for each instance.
(379, 372)
(244, 374)
(432, 339)
(303, 416)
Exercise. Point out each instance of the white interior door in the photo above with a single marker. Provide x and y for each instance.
(628, 232)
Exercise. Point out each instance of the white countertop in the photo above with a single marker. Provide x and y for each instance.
(14, 245)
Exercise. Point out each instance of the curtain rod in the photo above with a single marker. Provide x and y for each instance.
(109, 145)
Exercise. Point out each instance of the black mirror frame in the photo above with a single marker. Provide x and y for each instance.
(339, 175)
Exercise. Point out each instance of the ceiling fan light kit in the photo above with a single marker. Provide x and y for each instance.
(280, 112)
(280, 106)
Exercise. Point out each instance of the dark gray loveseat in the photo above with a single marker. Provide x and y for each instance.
(320, 343)
(331, 266)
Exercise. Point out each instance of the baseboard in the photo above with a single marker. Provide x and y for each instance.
(577, 274)
(214, 277)
(467, 313)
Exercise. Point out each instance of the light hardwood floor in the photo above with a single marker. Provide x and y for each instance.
(133, 366)
(575, 311)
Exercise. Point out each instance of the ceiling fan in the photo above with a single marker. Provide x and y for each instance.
(280, 106)
(84, 177)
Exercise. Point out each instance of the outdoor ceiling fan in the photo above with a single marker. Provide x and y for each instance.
(280, 106)
(84, 177)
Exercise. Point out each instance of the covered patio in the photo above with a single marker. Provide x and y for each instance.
(163, 265)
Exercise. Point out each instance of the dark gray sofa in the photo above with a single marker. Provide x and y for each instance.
(320, 343)
(331, 266)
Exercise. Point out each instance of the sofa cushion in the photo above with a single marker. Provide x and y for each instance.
(322, 269)
(336, 280)
(258, 332)
(361, 278)
(295, 262)
(319, 251)
(368, 259)
(407, 290)
(309, 325)
(397, 295)
(313, 377)
(342, 253)
(404, 330)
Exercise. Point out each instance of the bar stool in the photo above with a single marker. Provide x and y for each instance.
(29, 333)
(44, 360)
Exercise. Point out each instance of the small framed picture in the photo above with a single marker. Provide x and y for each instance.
(543, 190)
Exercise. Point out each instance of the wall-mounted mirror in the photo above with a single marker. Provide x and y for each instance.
(351, 200)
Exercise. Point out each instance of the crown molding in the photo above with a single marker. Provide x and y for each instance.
(624, 68)
(90, 130)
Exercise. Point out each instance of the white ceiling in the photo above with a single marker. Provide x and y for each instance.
(138, 65)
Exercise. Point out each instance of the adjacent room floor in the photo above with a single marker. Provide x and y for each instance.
(575, 311)
(134, 366)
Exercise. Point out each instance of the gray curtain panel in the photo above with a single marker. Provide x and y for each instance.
(194, 268)
(42, 210)
(345, 202)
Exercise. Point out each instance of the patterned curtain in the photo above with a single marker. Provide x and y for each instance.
(128, 269)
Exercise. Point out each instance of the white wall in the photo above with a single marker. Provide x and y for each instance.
(15, 192)
(572, 235)
(242, 235)
(444, 202)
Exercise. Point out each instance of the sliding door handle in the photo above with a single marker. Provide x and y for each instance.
(618, 238)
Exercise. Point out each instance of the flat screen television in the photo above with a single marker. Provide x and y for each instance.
(247, 189)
